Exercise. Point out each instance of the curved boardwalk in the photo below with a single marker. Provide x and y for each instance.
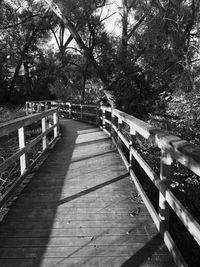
(76, 211)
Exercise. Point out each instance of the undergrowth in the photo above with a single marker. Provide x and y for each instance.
(9, 145)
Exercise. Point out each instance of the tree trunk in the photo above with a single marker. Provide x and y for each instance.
(124, 35)
(22, 57)
(28, 78)
(84, 81)
(86, 51)
(14, 79)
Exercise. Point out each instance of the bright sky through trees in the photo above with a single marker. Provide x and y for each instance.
(110, 15)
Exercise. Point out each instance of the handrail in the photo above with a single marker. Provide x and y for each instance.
(171, 147)
(20, 124)
(39, 106)
(80, 111)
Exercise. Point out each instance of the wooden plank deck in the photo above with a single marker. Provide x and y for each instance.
(76, 211)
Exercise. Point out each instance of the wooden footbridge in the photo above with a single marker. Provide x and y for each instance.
(84, 205)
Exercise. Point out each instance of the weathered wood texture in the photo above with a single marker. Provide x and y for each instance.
(76, 210)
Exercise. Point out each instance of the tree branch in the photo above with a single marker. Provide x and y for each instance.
(19, 23)
(69, 39)
(108, 16)
(54, 34)
(75, 49)
(86, 51)
(135, 27)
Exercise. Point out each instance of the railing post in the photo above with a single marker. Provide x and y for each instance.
(103, 118)
(70, 111)
(132, 140)
(97, 115)
(119, 129)
(26, 105)
(81, 107)
(112, 122)
(55, 121)
(44, 139)
(165, 170)
(21, 137)
(32, 106)
(40, 107)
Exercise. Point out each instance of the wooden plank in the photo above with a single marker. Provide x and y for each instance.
(91, 261)
(72, 241)
(64, 217)
(147, 230)
(68, 251)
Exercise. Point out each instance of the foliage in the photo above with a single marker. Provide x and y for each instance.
(22, 30)
(157, 51)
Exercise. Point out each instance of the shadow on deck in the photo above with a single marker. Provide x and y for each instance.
(76, 210)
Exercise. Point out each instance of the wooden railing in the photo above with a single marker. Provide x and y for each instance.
(20, 125)
(39, 106)
(171, 149)
(66, 109)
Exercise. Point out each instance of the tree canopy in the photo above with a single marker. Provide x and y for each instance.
(156, 50)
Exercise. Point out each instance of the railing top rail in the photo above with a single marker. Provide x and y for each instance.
(60, 102)
(10, 126)
(106, 108)
(181, 150)
(84, 105)
(38, 101)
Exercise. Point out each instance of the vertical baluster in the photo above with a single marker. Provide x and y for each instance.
(55, 121)
(22, 144)
(44, 139)
(165, 170)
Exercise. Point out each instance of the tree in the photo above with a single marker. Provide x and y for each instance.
(26, 27)
(70, 12)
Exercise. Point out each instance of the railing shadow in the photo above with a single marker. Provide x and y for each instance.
(145, 253)
(92, 189)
